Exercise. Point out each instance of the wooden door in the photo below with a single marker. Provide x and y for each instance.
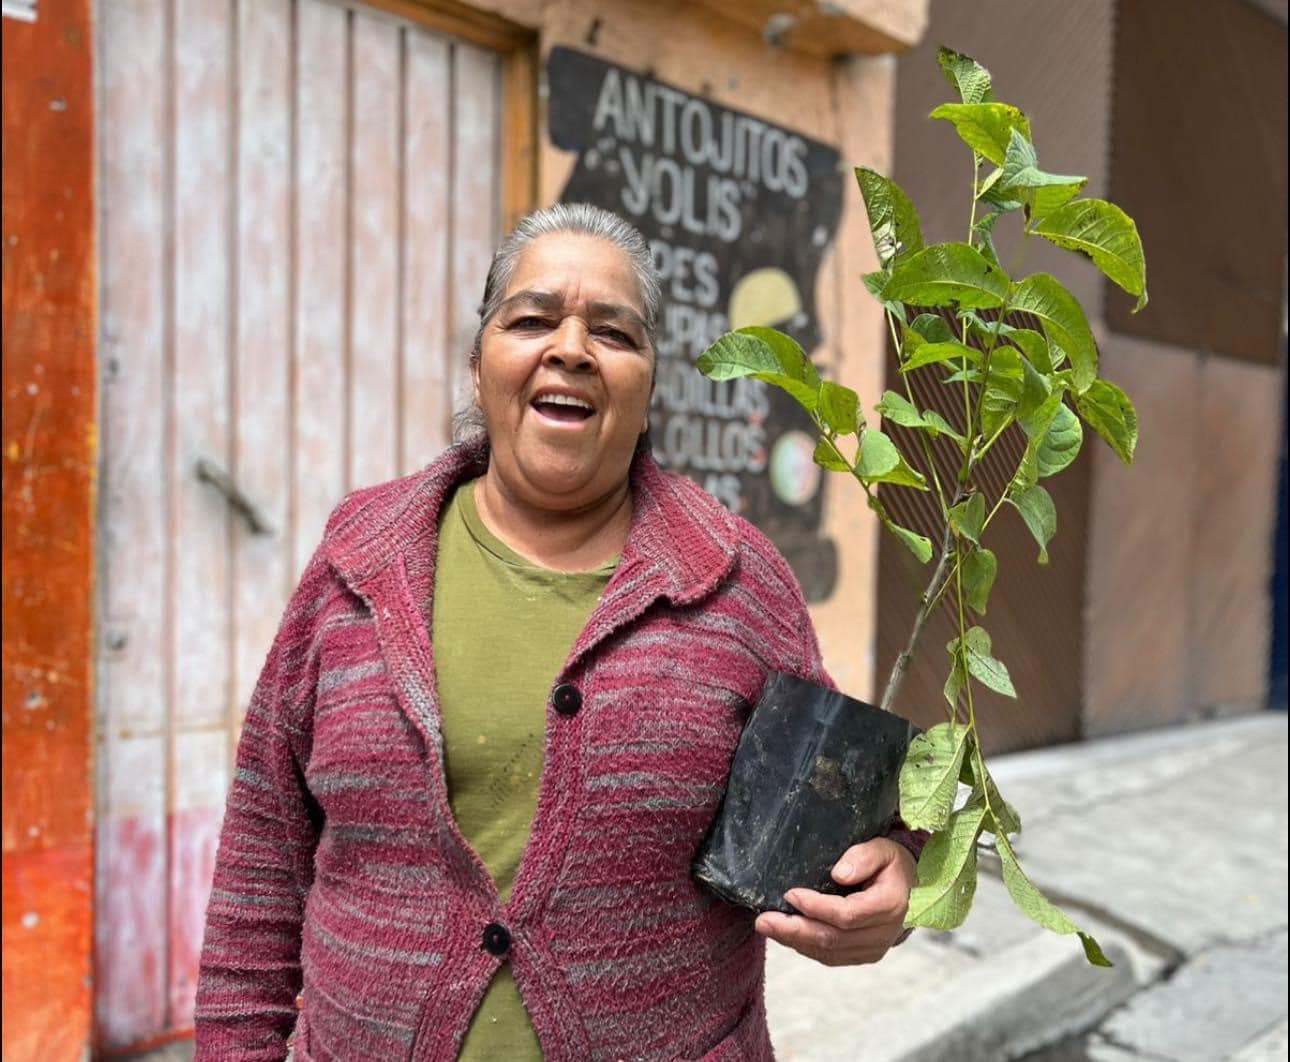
(299, 200)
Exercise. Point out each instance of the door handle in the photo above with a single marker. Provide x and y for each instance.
(209, 472)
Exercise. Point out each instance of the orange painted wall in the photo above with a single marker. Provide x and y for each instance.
(49, 454)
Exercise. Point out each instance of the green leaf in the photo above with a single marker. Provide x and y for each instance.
(900, 476)
(1036, 390)
(932, 327)
(983, 667)
(983, 237)
(1003, 390)
(919, 545)
(1061, 442)
(929, 780)
(839, 407)
(947, 874)
(880, 462)
(957, 677)
(1108, 411)
(979, 569)
(938, 425)
(736, 355)
(893, 221)
(1063, 320)
(968, 518)
(875, 283)
(985, 127)
(1001, 817)
(1036, 421)
(1104, 233)
(1035, 905)
(878, 454)
(1043, 201)
(947, 274)
(1040, 515)
(935, 353)
(1033, 346)
(1021, 178)
(985, 332)
(899, 410)
(826, 456)
(808, 397)
(1027, 474)
(965, 74)
(792, 359)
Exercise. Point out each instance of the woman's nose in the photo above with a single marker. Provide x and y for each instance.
(569, 347)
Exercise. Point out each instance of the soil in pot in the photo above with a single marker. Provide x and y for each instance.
(815, 771)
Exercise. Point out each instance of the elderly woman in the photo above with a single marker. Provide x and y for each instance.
(497, 722)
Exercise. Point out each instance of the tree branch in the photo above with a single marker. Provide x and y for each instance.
(928, 603)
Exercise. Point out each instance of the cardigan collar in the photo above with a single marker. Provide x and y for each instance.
(681, 540)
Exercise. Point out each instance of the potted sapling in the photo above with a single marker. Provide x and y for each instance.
(816, 771)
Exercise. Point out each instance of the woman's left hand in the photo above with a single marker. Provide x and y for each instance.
(854, 929)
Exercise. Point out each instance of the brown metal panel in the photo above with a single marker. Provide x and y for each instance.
(1036, 613)
(1199, 161)
(49, 393)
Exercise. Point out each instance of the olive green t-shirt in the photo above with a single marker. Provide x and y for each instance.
(502, 629)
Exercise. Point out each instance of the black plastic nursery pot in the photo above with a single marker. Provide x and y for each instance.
(815, 771)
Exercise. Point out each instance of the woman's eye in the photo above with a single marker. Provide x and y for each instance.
(529, 323)
(614, 335)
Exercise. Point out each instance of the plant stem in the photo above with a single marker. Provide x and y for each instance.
(971, 708)
(928, 603)
(991, 441)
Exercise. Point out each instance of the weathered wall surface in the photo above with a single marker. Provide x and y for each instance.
(1180, 545)
(844, 105)
(48, 471)
(1178, 610)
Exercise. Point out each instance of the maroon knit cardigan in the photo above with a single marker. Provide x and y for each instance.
(342, 875)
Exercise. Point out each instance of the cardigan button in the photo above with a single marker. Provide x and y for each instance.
(497, 939)
(567, 698)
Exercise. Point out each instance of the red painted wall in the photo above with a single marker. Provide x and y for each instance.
(49, 454)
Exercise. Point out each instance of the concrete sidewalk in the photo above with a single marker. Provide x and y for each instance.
(1169, 846)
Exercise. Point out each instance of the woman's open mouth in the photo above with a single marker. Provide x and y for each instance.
(563, 409)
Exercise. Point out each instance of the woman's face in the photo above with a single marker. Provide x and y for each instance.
(564, 372)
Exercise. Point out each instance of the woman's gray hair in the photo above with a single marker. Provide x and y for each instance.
(580, 219)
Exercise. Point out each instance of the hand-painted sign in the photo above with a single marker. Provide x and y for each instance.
(739, 213)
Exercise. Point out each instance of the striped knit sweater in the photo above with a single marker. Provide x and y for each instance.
(341, 874)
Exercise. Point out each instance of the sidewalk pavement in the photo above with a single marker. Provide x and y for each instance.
(1168, 846)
